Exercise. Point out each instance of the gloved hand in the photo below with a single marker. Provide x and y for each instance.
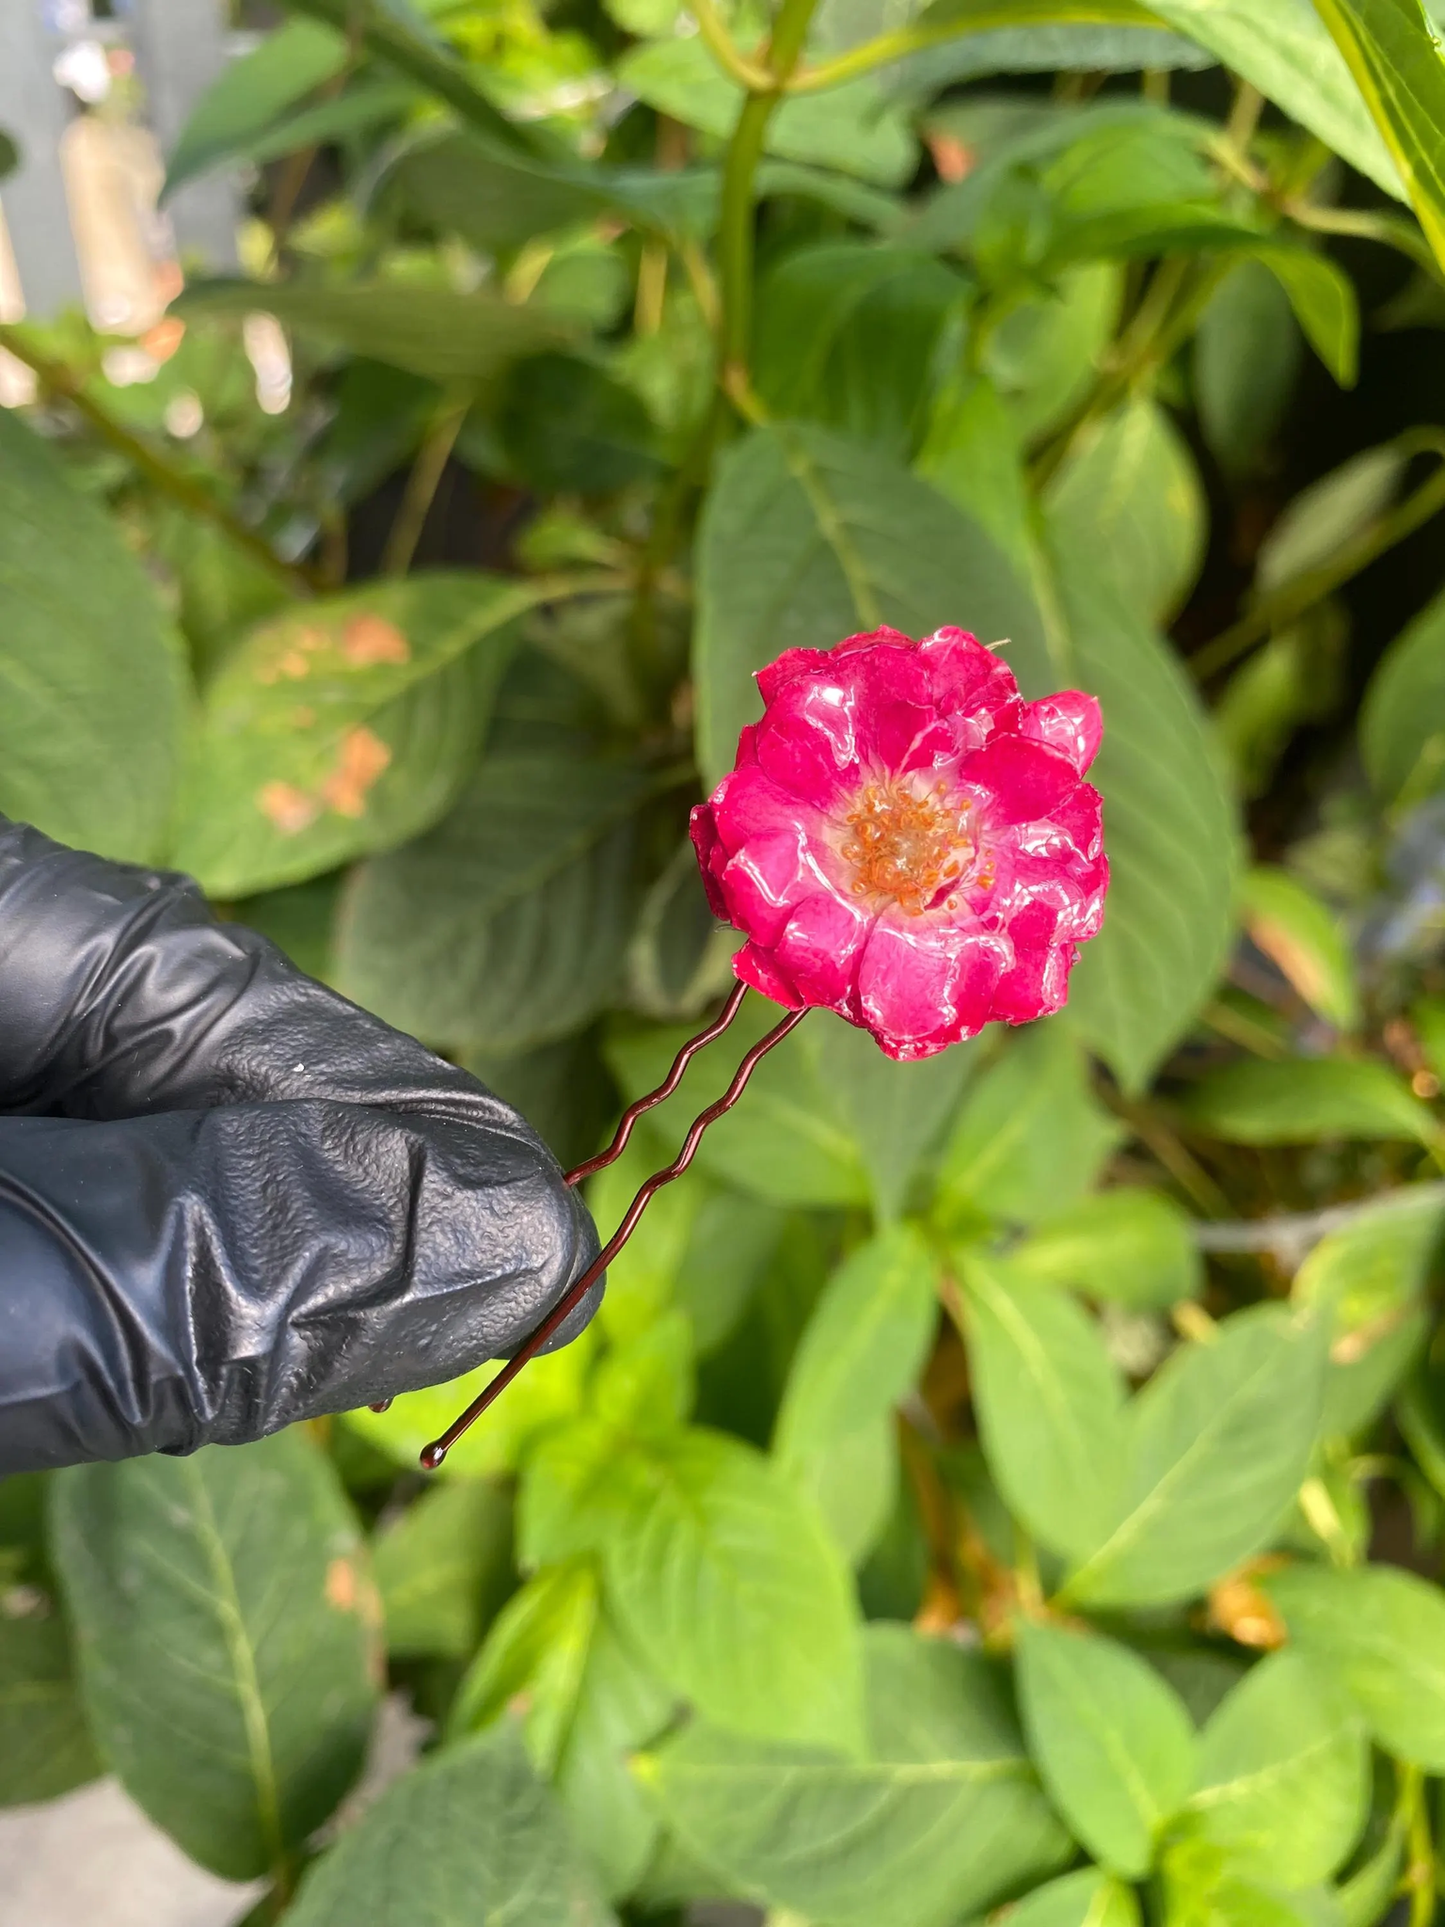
(228, 1198)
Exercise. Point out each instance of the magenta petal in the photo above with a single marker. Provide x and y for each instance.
(758, 968)
(766, 878)
(964, 675)
(821, 947)
(1069, 722)
(924, 985)
(748, 803)
(705, 841)
(823, 733)
(1037, 981)
(1018, 781)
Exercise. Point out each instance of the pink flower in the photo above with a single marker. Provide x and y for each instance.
(906, 841)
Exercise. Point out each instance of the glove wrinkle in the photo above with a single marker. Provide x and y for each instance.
(230, 1199)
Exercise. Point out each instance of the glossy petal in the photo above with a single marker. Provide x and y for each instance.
(820, 949)
(906, 841)
(1070, 722)
(1018, 781)
(767, 878)
(924, 985)
(705, 842)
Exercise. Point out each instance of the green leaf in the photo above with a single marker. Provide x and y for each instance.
(92, 673)
(863, 1348)
(397, 34)
(1330, 512)
(854, 336)
(1247, 355)
(789, 1144)
(807, 537)
(497, 199)
(1050, 1405)
(1369, 1278)
(9, 156)
(579, 1487)
(224, 1616)
(1132, 494)
(1112, 1740)
(973, 454)
(1284, 1775)
(895, 1112)
(434, 331)
(942, 1818)
(1085, 1899)
(621, 1706)
(470, 1835)
(251, 93)
(532, 1663)
(1044, 354)
(1282, 49)
(1301, 1099)
(1130, 1247)
(1030, 1137)
(1392, 48)
(1219, 1441)
(1289, 923)
(852, 128)
(341, 727)
(506, 926)
(729, 1584)
(1324, 303)
(436, 1566)
(550, 1390)
(45, 1748)
(566, 425)
(1172, 833)
(1381, 1634)
(1402, 723)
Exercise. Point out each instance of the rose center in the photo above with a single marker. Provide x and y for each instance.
(904, 847)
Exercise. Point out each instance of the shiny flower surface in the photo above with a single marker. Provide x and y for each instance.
(906, 841)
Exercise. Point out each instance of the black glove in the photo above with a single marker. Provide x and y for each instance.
(229, 1198)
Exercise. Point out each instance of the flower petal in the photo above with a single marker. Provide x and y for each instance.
(820, 949)
(924, 984)
(824, 731)
(767, 878)
(758, 968)
(1069, 722)
(1037, 981)
(1018, 781)
(748, 803)
(967, 678)
(705, 841)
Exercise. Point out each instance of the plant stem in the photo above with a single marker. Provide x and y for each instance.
(1290, 601)
(738, 213)
(724, 50)
(65, 385)
(422, 485)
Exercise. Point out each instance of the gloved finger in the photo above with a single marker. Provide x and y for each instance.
(121, 995)
(210, 1276)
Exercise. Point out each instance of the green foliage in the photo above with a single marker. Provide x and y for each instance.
(93, 672)
(1104, 1347)
(1113, 1741)
(471, 1833)
(226, 1623)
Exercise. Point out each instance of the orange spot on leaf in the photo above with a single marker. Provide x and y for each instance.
(362, 759)
(341, 1587)
(290, 809)
(371, 639)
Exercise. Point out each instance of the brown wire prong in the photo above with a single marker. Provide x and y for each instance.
(434, 1453)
